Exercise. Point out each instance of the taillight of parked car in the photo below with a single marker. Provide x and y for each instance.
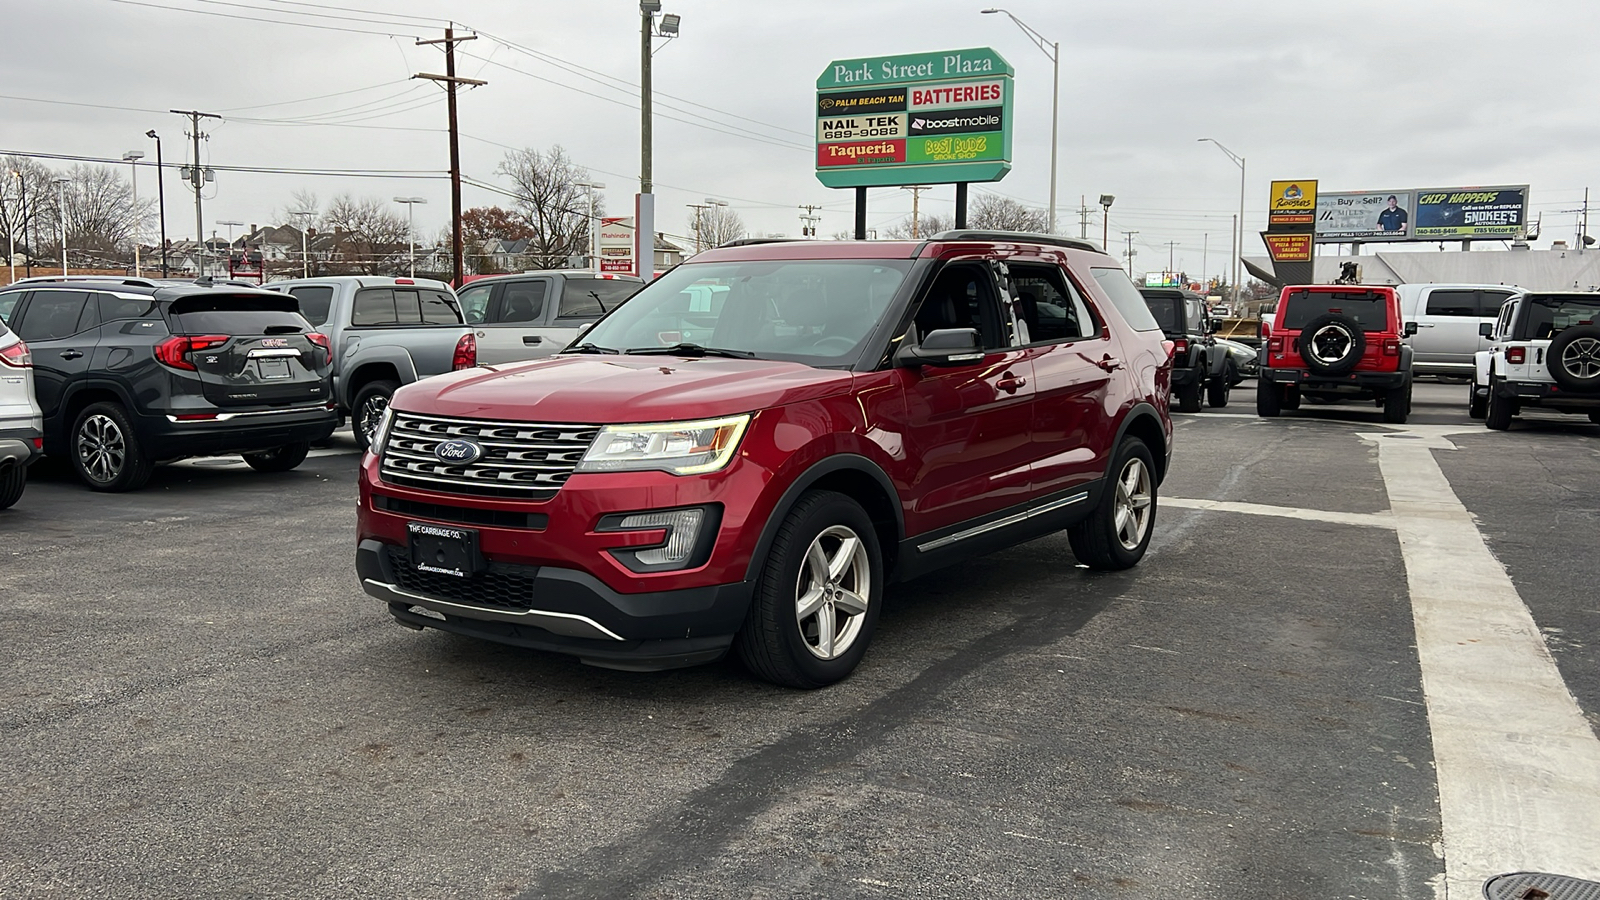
(466, 353)
(1516, 355)
(174, 351)
(1391, 346)
(1275, 344)
(1180, 346)
(320, 341)
(1266, 329)
(17, 356)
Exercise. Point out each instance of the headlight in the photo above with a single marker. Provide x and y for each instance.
(682, 448)
(381, 432)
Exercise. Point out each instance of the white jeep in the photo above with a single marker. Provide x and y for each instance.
(1544, 351)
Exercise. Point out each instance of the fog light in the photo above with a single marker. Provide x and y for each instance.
(682, 525)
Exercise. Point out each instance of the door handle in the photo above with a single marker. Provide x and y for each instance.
(1010, 383)
(1424, 324)
(1109, 363)
(532, 339)
(71, 354)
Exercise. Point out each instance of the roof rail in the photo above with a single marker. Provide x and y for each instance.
(746, 242)
(1020, 237)
(115, 279)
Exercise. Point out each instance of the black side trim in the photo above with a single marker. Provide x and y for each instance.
(842, 462)
(461, 515)
(1011, 526)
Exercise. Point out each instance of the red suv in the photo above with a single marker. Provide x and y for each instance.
(1336, 342)
(745, 452)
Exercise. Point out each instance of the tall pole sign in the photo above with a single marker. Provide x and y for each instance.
(1291, 227)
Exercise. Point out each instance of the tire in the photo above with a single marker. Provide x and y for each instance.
(778, 643)
(1291, 397)
(1117, 533)
(106, 452)
(1500, 410)
(13, 479)
(279, 459)
(1269, 399)
(1221, 386)
(367, 408)
(1574, 358)
(1332, 344)
(1397, 405)
(1189, 394)
(1477, 407)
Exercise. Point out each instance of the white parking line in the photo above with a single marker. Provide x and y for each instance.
(1375, 520)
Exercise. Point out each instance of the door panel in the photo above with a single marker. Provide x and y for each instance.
(1447, 326)
(514, 329)
(62, 352)
(1072, 379)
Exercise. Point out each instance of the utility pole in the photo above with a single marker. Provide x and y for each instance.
(1083, 217)
(808, 222)
(450, 81)
(1171, 247)
(1129, 235)
(698, 209)
(1205, 258)
(197, 179)
(916, 196)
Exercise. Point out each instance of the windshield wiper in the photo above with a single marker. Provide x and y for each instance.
(587, 347)
(688, 349)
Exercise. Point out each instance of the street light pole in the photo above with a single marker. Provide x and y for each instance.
(161, 198)
(305, 216)
(133, 157)
(1238, 245)
(594, 222)
(1051, 49)
(61, 213)
(411, 234)
(231, 223)
(1105, 221)
(27, 228)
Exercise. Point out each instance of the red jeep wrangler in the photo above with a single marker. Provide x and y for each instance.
(745, 452)
(1336, 342)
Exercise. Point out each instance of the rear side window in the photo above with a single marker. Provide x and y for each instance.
(438, 308)
(522, 301)
(1052, 310)
(1126, 298)
(475, 302)
(373, 306)
(1370, 309)
(1453, 303)
(234, 314)
(591, 298)
(315, 301)
(52, 314)
(8, 302)
(113, 309)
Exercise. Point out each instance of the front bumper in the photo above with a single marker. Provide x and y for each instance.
(1539, 393)
(559, 610)
(1353, 381)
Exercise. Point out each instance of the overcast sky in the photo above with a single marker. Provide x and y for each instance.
(1357, 94)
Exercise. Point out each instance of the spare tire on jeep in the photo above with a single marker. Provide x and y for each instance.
(1332, 344)
(1574, 358)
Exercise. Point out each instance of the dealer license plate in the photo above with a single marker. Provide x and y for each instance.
(443, 550)
(273, 368)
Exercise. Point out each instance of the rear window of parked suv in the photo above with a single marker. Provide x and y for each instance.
(1549, 314)
(235, 315)
(1369, 309)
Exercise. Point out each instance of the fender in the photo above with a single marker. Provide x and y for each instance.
(1406, 355)
(356, 358)
(841, 462)
(1141, 410)
(56, 425)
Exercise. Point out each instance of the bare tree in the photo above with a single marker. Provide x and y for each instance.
(719, 225)
(927, 224)
(27, 206)
(100, 212)
(370, 236)
(991, 212)
(550, 201)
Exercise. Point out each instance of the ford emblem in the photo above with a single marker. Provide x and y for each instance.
(458, 452)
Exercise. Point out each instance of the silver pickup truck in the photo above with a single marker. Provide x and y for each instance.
(385, 332)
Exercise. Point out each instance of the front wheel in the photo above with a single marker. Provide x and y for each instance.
(1221, 386)
(106, 452)
(816, 602)
(367, 409)
(279, 459)
(1117, 533)
(13, 479)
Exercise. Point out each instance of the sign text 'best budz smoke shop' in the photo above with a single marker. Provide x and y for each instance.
(921, 118)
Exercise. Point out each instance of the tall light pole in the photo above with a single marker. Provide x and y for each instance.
(1238, 245)
(1051, 49)
(61, 213)
(232, 224)
(1105, 221)
(132, 157)
(713, 203)
(27, 230)
(644, 220)
(161, 198)
(594, 223)
(305, 216)
(411, 234)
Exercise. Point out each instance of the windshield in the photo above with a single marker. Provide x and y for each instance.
(1548, 314)
(1369, 308)
(812, 311)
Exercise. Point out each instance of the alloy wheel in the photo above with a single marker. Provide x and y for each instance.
(833, 592)
(102, 448)
(1330, 344)
(369, 416)
(1133, 504)
(1581, 358)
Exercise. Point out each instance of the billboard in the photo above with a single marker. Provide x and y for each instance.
(914, 119)
(616, 244)
(1292, 203)
(1431, 214)
(1288, 247)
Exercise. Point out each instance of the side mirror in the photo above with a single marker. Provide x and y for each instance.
(945, 347)
(1411, 329)
(584, 327)
(1213, 326)
(1486, 329)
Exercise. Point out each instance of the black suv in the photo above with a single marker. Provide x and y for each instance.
(1198, 363)
(129, 372)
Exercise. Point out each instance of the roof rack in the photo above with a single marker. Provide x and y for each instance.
(1019, 236)
(746, 242)
(114, 279)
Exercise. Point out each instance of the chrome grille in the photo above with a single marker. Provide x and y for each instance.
(523, 460)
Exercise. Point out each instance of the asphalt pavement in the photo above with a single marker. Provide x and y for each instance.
(199, 701)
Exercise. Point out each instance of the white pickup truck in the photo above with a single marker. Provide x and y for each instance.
(537, 314)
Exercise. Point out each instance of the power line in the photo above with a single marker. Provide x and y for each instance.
(223, 15)
(429, 174)
(424, 19)
(372, 87)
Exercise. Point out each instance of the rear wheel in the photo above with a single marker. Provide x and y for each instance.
(279, 459)
(1222, 385)
(816, 602)
(1397, 405)
(1291, 396)
(12, 481)
(1269, 399)
(367, 409)
(1477, 407)
(1500, 411)
(1189, 394)
(1117, 533)
(106, 452)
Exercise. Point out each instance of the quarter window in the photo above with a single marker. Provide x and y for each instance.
(8, 302)
(113, 308)
(1126, 298)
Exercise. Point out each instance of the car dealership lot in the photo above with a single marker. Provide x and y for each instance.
(200, 701)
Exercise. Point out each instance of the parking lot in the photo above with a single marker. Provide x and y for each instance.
(1286, 699)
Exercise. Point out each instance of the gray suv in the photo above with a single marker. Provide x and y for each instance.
(537, 314)
(385, 332)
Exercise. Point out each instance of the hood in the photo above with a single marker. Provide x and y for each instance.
(619, 389)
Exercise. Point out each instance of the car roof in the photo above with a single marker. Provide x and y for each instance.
(934, 246)
(361, 281)
(565, 273)
(156, 288)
